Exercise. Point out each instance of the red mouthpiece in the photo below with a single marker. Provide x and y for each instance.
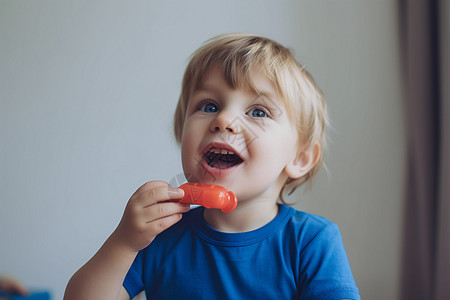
(208, 195)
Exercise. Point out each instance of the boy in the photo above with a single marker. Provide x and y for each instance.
(250, 119)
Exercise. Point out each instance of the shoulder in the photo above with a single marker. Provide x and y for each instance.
(304, 217)
(307, 227)
(324, 270)
(305, 221)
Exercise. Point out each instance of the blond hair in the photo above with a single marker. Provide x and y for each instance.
(238, 56)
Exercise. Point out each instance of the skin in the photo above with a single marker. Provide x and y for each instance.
(237, 119)
(146, 215)
(11, 284)
(258, 129)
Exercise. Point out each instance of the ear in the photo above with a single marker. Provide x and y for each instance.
(303, 162)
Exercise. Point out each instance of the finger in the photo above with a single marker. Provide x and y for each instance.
(12, 285)
(162, 224)
(162, 194)
(175, 193)
(164, 209)
(147, 197)
(172, 192)
(151, 185)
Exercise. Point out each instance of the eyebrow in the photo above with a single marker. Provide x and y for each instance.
(268, 95)
(211, 88)
(264, 95)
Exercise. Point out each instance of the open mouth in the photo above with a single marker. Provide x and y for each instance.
(221, 158)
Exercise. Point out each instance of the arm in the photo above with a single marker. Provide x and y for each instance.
(147, 214)
(325, 269)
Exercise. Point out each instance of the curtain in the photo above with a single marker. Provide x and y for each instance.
(424, 44)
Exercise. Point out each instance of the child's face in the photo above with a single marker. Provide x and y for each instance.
(238, 139)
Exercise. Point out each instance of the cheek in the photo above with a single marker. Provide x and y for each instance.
(190, 142)
(275, 149)
(188, 158)
(187, 132)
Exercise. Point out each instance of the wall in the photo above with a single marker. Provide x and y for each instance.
(87, 93)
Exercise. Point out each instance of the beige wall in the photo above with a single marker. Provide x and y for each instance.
(87, 93)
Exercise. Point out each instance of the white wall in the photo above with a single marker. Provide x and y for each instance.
(87, 94)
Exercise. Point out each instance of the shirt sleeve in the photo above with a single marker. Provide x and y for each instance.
(324, 268)
(133, 282)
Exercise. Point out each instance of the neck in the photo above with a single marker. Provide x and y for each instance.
(247, 216)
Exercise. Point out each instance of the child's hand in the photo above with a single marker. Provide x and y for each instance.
(148, 213)
(10, 284)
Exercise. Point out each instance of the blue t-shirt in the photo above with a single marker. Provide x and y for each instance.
(295, 256)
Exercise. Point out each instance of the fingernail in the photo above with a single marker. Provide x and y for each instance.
(175, 192)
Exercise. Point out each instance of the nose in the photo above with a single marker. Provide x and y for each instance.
(224, 122)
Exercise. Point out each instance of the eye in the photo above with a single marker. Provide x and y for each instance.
(258, 113)
(208, 107)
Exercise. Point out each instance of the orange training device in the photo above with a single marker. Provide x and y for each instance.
(210, 196)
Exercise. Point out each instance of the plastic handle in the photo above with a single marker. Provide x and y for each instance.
(210, 196)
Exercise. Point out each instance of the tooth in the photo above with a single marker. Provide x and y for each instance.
(230, 152)
(215, 150)
(223, 151)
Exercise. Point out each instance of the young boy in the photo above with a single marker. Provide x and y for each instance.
(250, 119)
